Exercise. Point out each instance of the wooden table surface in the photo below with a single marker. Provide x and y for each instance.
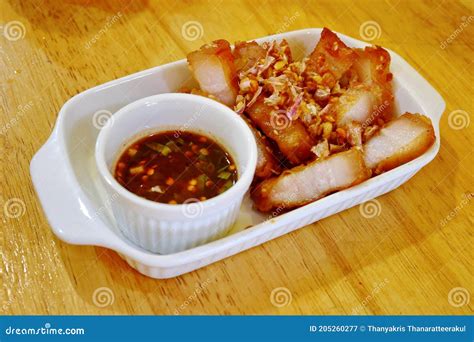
(414, 256)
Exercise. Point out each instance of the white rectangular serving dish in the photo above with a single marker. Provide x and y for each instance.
(66, 180)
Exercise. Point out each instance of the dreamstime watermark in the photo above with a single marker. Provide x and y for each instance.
(287, 22)
(373, 293)
(459, 296)
(13, 30)
(189, 123)
(280, 297)
(279, 120)
(102, 297)
(192, 30)
(107, 203)
(375, 114)
(465, 22)
(6, 304)
(459, 119)
(101, 118)
(290, 198)
(370, 30)
(466, 199)
(22, 110)
(192, 208)
(47, 329)
(14, 208)
(198, 289)
(370, 209)
(108, 24)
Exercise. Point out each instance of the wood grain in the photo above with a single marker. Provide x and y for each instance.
(405, 260)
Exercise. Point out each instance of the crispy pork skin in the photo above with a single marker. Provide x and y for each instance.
(267, 163)
(213, 67)
(401, 140)
(307, 183)
(373, 65)
(247, 54)
(291, 136)
(331, 58)
(358, 104)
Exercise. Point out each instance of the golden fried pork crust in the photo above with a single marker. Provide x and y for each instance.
(307, 183)
(247, 54)
(213, 67)
(291, 136)
(331, 58)
(400, 141)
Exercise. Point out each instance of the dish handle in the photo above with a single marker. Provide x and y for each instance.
(64, 203)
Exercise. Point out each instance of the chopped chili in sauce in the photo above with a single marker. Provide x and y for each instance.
(172, 167)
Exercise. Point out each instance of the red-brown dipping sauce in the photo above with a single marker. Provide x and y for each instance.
(175, 166)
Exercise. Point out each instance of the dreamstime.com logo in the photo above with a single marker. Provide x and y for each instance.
(377, 111)
(370, 209)
(13, 30)
(192, 208)
(198, 290)
(287, 22)
(101, 118)
(370, 30)
(465, 201)
(108, 24)
(14, 208)
(463, 25)
(279, 120)
(15, 120)
(102, 297)
(459, 296)
(192, 30)
(46, 330)
(370, 297)
(459, 119)
(281, 297)
(196, 115)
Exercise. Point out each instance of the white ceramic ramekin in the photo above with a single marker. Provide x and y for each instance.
(164, 228)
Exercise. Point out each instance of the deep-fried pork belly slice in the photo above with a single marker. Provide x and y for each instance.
(267, 164)
(354, 134)
(373, 65)
(331, 58)
(362, 104)
(372, 97)
(307, 183)
(291, 136)
(373, 69)
(246, 55)
(213, 67)
(401, 140)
